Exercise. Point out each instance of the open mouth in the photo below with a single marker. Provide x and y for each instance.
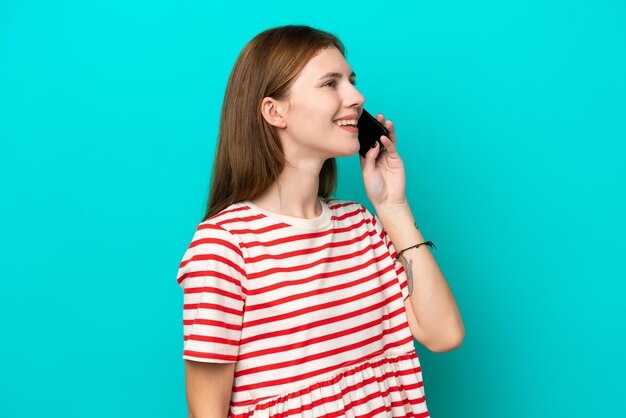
(349, 128)
(348, 124)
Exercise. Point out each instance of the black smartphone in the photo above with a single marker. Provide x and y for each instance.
(370, 130)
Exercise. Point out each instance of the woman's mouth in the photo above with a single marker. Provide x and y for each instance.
(349, 128)
(348, 124)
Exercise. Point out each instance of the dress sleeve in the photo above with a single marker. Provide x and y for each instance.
(212, 276)
(391, 249)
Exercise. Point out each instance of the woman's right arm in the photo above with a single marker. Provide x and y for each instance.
(209, 388)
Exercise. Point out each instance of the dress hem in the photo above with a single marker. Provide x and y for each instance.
(243, 409)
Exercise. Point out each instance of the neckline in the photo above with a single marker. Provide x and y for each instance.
(318, 223)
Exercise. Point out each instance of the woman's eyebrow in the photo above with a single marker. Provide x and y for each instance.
(352, 75)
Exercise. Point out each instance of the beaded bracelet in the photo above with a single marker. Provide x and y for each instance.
(429, 243)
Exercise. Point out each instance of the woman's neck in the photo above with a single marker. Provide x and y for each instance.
(293, 194)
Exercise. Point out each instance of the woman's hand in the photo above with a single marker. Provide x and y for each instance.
(384, 178)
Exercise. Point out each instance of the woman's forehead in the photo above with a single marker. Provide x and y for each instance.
(328, 62)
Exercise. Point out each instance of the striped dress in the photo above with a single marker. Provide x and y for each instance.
(310, 310)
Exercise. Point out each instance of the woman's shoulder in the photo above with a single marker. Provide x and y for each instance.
(226, 222)
(228, 214)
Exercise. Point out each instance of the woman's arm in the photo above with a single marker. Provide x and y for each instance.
(436, 322)
(209, 388)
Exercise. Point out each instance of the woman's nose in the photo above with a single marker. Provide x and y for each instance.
(354, 97)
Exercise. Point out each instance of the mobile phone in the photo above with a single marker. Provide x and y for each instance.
(370, 130)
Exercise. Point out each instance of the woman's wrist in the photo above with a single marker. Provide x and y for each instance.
(400, 225)
(394, 213)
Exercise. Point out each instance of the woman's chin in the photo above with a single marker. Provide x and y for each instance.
(348, 152)
(348, 149)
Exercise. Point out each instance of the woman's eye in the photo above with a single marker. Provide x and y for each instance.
(333, 83)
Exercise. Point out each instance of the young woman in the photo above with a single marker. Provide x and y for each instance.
(295, 303)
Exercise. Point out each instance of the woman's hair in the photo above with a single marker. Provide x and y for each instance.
(249, 156)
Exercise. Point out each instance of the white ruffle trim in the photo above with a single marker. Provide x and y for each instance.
(386, 386)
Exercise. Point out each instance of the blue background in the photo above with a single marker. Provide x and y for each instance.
(510, 120)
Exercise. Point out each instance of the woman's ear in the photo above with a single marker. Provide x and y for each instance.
(273, 112)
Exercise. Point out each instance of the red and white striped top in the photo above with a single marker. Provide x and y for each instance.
(311, 310)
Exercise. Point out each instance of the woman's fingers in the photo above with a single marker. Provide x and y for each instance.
(369, 161)
(388, 141)
(389, 145)
(389, 125)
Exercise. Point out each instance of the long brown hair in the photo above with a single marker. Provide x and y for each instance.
(249, 156)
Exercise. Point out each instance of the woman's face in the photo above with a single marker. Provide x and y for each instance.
(323, 92)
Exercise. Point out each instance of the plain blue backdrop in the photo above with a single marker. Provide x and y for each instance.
(510, 121)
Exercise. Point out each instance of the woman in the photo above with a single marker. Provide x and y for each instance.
(295, 304)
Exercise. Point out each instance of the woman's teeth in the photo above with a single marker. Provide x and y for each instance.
(346, 122)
